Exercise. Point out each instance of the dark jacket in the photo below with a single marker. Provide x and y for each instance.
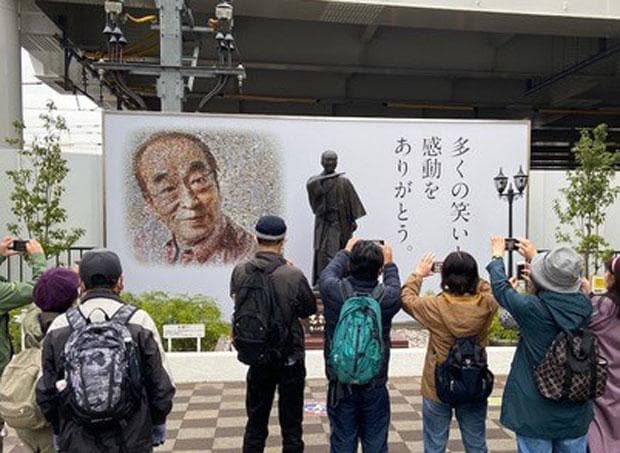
(158, 389)
(292, 290)
(14, 295)
(330, 285)
(524, 410)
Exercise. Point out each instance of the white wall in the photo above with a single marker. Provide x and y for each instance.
(544, 188)
(83, 199)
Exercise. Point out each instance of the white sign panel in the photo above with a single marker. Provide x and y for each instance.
(426, 185)
(184, 330)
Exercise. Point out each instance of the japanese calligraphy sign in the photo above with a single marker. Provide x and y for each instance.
(427, 186)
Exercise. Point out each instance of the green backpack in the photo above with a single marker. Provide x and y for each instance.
(357, 347)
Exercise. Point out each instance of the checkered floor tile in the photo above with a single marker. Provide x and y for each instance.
(210, 417)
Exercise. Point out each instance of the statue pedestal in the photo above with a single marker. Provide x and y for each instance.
(315, 325)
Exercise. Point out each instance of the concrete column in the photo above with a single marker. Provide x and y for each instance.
(10, 70)
(170, 83)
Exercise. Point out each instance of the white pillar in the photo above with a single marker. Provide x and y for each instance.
(10, 70)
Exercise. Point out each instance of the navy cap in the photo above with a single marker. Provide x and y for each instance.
(102, 263)
(270, 228)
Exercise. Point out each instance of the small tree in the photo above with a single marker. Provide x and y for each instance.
(589, 193)
(38, 187)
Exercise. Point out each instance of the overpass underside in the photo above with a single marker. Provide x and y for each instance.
(555, 62)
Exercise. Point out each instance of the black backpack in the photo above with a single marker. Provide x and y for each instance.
(464, 377)
(259, 331)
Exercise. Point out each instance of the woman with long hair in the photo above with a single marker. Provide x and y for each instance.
(604, 432)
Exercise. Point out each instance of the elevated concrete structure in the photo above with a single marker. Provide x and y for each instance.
(555, 62)
(10, 70)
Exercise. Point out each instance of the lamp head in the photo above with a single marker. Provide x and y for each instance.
(520, 180)
(224, 11)
(501, 181)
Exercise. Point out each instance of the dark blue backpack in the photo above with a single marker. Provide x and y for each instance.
(464, 377)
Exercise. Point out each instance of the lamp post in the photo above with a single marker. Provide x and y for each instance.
(501, 181)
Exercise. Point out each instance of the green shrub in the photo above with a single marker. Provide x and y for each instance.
(183, 309)
(497, 332)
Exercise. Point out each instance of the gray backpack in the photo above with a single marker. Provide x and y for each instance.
(102, 367)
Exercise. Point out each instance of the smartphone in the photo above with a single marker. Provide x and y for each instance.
(599, 284)
(520, 269)
(437, 265)
(19, 245)
(511, 244)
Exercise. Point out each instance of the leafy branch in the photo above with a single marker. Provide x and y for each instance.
(586, 198)
(38, 186)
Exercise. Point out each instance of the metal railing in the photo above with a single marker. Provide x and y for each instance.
(15, 269)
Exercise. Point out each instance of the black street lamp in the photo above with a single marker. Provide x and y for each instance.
(501, 181)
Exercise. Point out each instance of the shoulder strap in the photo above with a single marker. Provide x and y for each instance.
(124, 314)
(378, 293)
(76, 318)
(346, 289)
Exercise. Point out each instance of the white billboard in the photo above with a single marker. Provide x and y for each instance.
(426, 185)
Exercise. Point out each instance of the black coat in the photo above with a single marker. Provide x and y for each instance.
(135, 434)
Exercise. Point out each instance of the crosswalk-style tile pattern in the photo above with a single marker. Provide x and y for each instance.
(210, 417)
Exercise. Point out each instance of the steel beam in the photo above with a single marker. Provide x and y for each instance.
(156, 70)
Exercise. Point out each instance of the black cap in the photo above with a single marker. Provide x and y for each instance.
(100, 263)
(270, 228)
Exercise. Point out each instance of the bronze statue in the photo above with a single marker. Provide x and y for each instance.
(336, 207)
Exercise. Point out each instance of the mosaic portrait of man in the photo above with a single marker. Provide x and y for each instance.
(178, 178)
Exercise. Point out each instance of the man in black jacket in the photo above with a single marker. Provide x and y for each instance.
(296, 299)
(359, 412)
(145, 427)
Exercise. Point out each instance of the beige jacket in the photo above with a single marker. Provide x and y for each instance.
(447, 317)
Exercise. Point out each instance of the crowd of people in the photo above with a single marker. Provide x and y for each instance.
(105, 385)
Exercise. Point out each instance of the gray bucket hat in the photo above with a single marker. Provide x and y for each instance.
(558, 270)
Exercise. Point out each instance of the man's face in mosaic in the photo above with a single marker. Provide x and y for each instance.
(181, 187)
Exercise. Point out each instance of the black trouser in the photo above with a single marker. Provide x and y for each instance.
(261, 387)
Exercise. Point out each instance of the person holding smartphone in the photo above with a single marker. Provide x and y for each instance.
(462, 312)
(16, 294)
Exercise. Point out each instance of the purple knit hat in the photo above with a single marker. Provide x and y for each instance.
(56, 289)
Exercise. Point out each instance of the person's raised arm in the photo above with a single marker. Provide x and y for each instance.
(391, 302)
(18, 294)
(518, 305)
(413, 303)
(331, 277)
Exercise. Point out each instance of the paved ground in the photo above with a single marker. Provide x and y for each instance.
(209, 417)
